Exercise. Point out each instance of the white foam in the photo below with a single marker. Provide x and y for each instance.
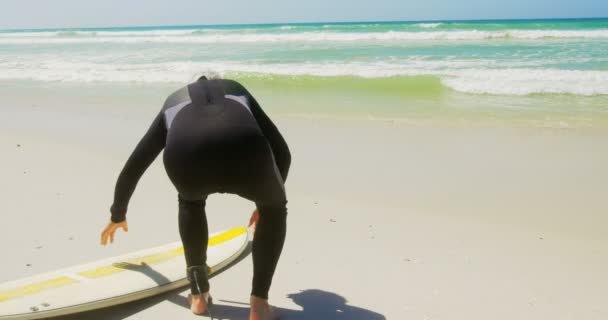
(28, 34)
(149, 33)
(528, 81)
(57, 35)
(477, 77)
(191, 36)
(558, 34)
(428, 25)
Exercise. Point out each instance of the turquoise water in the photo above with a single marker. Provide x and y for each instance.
(498, 67)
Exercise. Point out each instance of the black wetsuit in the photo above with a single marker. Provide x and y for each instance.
(216, 139)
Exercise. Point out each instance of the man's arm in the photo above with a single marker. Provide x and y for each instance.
(144, 154)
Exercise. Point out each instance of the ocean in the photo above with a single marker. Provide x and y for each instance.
(539, 72)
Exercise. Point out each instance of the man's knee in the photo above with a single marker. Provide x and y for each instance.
(275, 214)
(191, 202)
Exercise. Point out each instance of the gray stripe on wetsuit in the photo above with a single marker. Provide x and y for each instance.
(240, 99)
(171, 112)
(243, 100)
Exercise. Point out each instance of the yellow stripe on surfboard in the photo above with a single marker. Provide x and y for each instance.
(158, 257)
(225, 236)
(35, 288)
(114, 268)
(125, 265)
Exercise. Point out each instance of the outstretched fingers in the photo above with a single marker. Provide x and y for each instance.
(104, 237)
(108, 234)
(110, 230)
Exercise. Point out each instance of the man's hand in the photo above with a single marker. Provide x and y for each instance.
(108, 232)
(253, 221)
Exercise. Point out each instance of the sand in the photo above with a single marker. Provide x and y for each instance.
(387, 220)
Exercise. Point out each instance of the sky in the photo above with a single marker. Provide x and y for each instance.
(22, 14)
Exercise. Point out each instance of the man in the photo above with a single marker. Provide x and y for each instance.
(216, 139)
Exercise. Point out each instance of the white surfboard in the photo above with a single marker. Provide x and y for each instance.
(113, 281)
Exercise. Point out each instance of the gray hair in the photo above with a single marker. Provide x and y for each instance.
(207, 74)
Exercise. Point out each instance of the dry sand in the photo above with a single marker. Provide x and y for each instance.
(386, 220)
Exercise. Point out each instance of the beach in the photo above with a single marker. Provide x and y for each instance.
(399, 220)
(410, 196)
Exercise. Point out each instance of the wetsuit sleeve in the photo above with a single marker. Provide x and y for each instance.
(279, 147)
(144, 154)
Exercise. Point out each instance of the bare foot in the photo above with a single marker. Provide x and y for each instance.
(260, 309)
(198, 303)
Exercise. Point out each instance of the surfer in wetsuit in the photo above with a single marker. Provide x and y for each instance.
(216, 139)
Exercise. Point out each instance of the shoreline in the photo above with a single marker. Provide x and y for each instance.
(442, 109)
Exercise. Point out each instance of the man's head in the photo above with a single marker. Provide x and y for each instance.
(208, 75)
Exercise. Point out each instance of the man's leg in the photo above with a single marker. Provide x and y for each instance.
(267, 246)
(194, 234)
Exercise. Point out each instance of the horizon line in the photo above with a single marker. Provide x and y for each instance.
(299, 23)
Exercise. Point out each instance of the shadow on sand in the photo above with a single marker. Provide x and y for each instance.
(316, 305)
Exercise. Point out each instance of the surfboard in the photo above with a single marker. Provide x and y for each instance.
(113, 281)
